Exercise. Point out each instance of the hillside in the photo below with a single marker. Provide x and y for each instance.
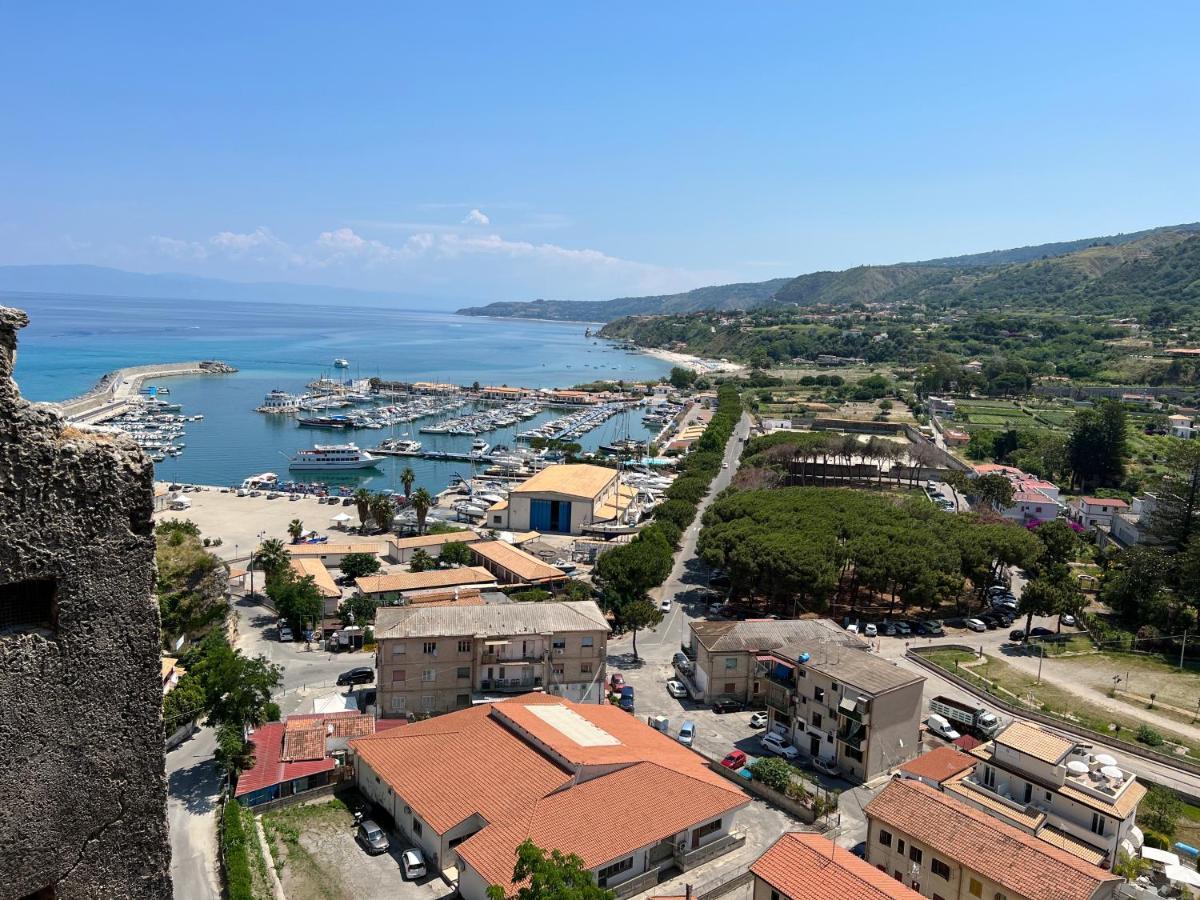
(1024, 275)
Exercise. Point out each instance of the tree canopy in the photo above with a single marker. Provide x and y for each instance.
(551, 876)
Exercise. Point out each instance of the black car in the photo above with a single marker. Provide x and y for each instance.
(1017, 634)
(992, 622)
(359, 675)
(726, 705)
(1040, 632)
(888, 629)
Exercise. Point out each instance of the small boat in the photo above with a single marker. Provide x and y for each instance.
(340, 363)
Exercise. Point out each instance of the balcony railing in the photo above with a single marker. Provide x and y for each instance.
(778, 698)
(507, 685)
(497, 659)
(852, 734)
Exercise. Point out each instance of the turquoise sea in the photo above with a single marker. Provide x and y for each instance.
(72, 341)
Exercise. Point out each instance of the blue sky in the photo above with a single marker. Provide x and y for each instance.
(580, 151)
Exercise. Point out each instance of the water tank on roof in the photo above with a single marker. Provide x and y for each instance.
(803, 657)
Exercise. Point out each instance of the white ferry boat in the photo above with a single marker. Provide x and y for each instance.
(332, 456)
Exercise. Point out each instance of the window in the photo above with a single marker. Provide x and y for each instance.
(429, 674)
(708, 828)
(975, 889)
(730, 687)
(427, 701)
(558, 670)
(398, 648)
(464, 646)
(585, 668)
(398, 704)
(430, 647)
(586, 641)
(615, 869)
(1097, 824)
(940, 869)
(885, 838)
(819, 694)
(1000, 896)
(915, 854)
(496, 520)
(559, 645)
(900, 845)
(855, 755)
(463, 672)
(463, 700)
(730, 663)
(1028, 792)
(834, 687)
(774, 895)
(416, 829)
(398, 676)
(801, 672)
(816, 720)
(29, 606)
(989, 777)
(1049, 798)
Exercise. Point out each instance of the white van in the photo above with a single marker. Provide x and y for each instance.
(940, 726)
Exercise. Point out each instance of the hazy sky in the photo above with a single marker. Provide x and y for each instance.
(517, 150)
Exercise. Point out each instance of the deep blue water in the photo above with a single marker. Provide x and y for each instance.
(72, 341)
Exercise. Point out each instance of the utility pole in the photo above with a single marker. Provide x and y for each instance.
(1182, 649)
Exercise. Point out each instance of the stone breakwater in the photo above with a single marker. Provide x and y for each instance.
(113, 392)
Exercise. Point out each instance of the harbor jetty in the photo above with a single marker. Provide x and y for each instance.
(117, 391)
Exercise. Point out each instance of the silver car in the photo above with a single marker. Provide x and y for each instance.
(372, 837)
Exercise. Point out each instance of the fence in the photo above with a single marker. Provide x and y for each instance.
(916, 654)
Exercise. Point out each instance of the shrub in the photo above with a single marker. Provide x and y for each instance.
(1149, 737)
(238, 882)
(1156, 840)
(772, 772)
(1160, 812)
(535, 595)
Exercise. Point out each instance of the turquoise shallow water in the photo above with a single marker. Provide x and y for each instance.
(72, 341)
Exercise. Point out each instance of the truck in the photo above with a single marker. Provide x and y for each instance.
(972, 719)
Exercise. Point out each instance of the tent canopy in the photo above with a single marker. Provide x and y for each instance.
(341, 517)
(1166, 857)
(1180, 875)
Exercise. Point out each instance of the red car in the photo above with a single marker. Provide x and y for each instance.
(616, 682)
(735, 759)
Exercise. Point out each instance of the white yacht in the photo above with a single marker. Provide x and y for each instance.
(340, 363)
(332, 456)
(479, 448)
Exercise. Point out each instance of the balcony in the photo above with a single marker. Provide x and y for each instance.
(512, 659)
(510, 685)
(778, 698)
(852, 734)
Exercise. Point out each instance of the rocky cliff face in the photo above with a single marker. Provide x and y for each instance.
(82, 783)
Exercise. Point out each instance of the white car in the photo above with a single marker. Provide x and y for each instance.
(665, 605)
(758, 720)
(724, 465)
(285, 635)
(413, 864)
(976, 624)
(825, 766)
(676, 689)
(776, 744)
(1067, 619)
(870, 631)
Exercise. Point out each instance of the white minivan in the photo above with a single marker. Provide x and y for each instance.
(940, 726)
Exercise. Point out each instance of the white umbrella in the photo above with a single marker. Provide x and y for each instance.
(1180, 875)
(341, 517)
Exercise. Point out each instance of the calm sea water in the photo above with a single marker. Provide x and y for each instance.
(72, 341)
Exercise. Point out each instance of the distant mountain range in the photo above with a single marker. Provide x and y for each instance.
(1044, 271)
(103, 281)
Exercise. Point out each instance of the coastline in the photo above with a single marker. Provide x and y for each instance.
(695, 363)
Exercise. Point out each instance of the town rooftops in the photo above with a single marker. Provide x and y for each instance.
(417, 581)
(335, 549)
(1020, 863)
(306, 566)
(938, 765)
(1036, 742)
(803, 866)
(864, 671)
(757, 635)
(497, 619)
(433, 540)
(584, 481)
(284, 751)
(522, 565)
(1104, 501)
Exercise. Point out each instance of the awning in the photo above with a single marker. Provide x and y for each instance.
(766, 657)
(1180, 875)
(847, 705)
(1166, 857)
(495, 643)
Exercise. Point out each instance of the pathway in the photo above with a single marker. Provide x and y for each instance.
(193, 786)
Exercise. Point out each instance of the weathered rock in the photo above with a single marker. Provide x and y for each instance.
(82, 786)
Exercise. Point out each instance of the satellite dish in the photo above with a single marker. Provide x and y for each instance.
(1105, 759)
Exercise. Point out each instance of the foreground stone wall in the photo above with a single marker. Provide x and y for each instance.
(82, 787)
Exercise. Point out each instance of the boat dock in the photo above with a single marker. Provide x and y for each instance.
(117, 391)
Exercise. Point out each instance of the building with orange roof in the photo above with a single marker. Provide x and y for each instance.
(936, 766)
(1033, 498)
(804, 866)
(1095, 512)
(512, 565)
(941, 847)
(564, 499)
(469, 787)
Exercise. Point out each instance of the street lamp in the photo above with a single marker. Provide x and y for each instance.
(250, 566)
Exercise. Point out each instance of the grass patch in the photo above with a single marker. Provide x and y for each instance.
(284, 827)
(997, 677)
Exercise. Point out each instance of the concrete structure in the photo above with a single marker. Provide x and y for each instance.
(400, 587)
(726, 653)
(562, 500)
(401, 550)
(1095, 512)
(1033, 497)
(81, 680)
(1131, 526)
(1051, 786)
(588, 779)
(437, 658)
(331, 554)
(1182, 427)
(848, 707)
(943, 848)
(803, 866)
(512, 565)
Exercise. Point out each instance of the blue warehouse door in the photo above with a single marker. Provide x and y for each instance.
(539, 515)
(561, 516)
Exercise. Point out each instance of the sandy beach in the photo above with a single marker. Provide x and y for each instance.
(695, 363)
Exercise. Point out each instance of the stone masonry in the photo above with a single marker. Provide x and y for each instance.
(82, 786)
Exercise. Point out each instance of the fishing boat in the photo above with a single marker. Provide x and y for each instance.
(332, 456)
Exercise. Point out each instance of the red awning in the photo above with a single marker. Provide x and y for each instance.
(766, 657)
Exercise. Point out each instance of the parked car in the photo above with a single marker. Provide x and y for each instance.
(687, 733)
(372, 837)
(990, 621)
(734, 759)
(976, 625)
(626, 700)
(726, 705)
(1040, 632)
(932, 628)
(665, 604)
(825, 766)
(412, 864)
(997, 590)
(285, 635)
(1067, 619)
(719, 580)
(869, 630)
(616, 682)
(680, 661)
(1017, 634)
(676, 689)
(758, 720)
(903, 629)
(852, 628)
(359, 675)
(888, 629)
(777, 745)
(940, 726)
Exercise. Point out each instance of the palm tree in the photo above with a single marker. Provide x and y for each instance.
(421, 501)
(362, 500)
(295, 529)
(272, 557)
(383, 510)
(407, 477)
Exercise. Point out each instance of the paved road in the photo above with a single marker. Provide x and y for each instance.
(193, 785)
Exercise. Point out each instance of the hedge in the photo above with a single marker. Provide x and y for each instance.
(235, 855)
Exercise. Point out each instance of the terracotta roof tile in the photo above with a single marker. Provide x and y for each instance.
(1020, 863)
(512, 559)
(572, 480)
(269, 768)
(433, 540)
(803, 866)
(938, 765)
(1039, 743)
(415, 581)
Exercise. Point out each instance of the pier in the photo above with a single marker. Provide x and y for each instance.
(114, 393)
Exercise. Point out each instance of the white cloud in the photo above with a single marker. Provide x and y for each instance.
(177, 249)
(476, 217)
